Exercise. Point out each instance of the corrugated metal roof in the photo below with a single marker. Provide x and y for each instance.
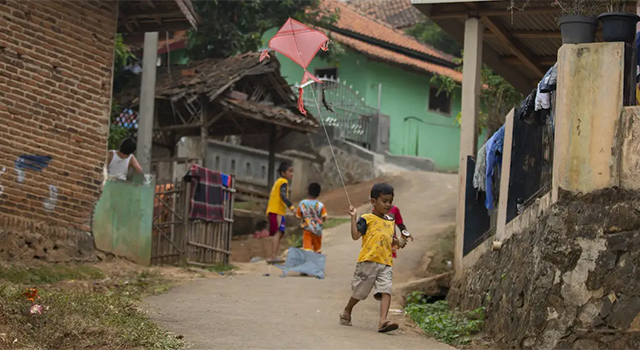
(532, 33)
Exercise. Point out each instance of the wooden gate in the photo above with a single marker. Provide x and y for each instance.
(177, 239)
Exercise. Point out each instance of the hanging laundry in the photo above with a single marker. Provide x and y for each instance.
(494, 157)
(481, 169)
(526, 107)
(546, 85)
(550, 79)
(206, 194)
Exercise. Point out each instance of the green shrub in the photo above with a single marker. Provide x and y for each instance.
(441, 323)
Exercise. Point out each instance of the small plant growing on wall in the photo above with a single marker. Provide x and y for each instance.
(615, 5)
(577, 7)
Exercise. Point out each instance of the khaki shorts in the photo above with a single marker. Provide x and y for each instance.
(369, 275)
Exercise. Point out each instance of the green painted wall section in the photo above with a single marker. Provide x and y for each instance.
(123, 219)
(415, 131)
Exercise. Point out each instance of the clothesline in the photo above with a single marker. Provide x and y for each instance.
(489, 157)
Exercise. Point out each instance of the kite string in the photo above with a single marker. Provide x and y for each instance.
(335, 159)
(333, 153)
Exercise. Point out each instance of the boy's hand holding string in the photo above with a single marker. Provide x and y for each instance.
(355, 233)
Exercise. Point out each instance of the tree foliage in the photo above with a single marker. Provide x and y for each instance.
(498, 96)
(429, 32)
(231, 27)
(122, 78)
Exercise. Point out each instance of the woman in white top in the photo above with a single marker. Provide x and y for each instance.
(120, 161)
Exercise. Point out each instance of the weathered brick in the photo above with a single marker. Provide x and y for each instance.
(53, 76)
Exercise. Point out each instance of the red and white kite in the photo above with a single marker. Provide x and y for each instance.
(300, 43)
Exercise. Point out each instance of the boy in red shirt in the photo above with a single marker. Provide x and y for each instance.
(395, 214)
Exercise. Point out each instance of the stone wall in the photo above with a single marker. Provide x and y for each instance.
(356, 163)
(56, 60)
(568, 282)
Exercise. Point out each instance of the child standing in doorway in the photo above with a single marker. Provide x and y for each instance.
(277, 207)
(374, 269)
(313, 215)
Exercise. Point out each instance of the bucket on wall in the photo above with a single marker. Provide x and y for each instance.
(577, 29)
(619, 26)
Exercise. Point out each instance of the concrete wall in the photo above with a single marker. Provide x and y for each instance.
(123, 219)
(567, 282)
(55, 88)
(588, 109)
(414, 130)
(630, 162)
(250, 165)
(597, 141)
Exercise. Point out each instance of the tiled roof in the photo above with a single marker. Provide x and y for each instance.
(210, 76)
(355, 22)
(271, 114)
(213, 77)
(397, 13)
(380, 53)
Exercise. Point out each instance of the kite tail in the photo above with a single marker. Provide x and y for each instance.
(301, 102)
(264, 54)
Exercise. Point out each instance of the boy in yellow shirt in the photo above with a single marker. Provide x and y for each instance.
(279, 202)
(374, 268)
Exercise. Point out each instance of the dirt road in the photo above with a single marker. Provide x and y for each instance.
(249, 311)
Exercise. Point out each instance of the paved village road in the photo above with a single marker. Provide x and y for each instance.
(249, 311)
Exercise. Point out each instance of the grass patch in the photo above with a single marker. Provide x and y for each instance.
(438, 321)
(294, 239)
(334, 222)
(48, 274)
(80, 320)
(220, 267)
(443, 251)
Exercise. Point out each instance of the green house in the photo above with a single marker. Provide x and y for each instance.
(392, 71)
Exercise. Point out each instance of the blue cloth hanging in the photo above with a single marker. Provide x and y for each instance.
(494, 156)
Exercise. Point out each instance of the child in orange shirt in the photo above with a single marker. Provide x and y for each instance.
(313, 215)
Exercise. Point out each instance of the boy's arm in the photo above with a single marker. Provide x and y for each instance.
(299, 212)
(283, 196)
(136, 166)
(323, 214)
(355, 233)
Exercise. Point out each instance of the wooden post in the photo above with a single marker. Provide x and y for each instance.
(183, 243)
(471, 89)
(204, 132)
(504, 177)
(147, 100)
(272, 155)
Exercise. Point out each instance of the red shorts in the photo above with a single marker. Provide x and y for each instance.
(276, 224)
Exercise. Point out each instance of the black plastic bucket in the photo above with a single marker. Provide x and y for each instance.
(578, 29)
(619, 26)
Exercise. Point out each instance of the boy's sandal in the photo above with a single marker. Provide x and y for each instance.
(345, 320)
(388, 327)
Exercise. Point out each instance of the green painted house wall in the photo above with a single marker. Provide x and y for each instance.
(414, 131)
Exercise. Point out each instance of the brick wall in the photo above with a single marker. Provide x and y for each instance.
(56, 61)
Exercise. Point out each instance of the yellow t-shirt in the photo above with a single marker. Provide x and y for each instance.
(276, 204)
(376, 242)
